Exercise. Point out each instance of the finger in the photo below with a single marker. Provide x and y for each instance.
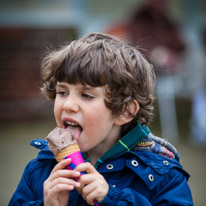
(87, 189)
(62, 187)
(93, 192)
(89, 194)
(95, 187)
(84, 180)
(61, 165)
(66, 181)
(88, 178)
(52, 192)
(64, 173)
(86, 167)
(91, 198)
(88, 184)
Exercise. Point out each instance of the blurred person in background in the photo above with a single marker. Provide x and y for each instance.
(152, 29)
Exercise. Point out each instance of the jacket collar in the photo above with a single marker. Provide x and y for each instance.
(42, 144)
(126, 143)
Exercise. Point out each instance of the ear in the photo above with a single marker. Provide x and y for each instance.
(127, 115)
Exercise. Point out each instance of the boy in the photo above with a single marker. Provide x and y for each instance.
(103, 90)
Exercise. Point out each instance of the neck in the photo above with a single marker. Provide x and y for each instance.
(95, 153)
(93, 158)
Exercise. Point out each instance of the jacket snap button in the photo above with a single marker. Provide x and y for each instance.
(113, 186)
(37, 143)
(109, 166)
(151, 178)
(166, 162)
(134, 163)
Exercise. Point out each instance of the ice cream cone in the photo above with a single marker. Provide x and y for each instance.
(66, 152)
(64, 146)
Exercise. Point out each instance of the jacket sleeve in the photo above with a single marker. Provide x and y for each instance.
(24, 194)
(172, 190)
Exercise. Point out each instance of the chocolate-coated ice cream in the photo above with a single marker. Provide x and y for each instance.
(59, 139)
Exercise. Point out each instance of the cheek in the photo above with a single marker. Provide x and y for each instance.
(99, 119)
(57, 113)
(55, 109)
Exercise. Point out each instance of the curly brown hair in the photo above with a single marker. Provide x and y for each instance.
(99, 59)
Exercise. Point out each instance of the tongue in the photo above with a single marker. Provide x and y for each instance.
(75, 131)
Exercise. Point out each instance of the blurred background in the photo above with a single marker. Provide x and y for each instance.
(172, 34)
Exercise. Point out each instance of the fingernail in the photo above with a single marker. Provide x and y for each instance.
(72, 187)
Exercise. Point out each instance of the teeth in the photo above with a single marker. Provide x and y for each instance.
(71, 123)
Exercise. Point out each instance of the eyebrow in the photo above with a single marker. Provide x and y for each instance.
(86, 87)
(59, 84)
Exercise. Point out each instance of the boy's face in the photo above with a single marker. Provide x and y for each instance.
(81, 109)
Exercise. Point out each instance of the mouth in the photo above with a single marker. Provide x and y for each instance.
(74, 128)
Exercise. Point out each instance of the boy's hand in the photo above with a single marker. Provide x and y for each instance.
(58, 185)
(93, 185)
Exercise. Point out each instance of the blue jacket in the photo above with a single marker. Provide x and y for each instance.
(135, 177)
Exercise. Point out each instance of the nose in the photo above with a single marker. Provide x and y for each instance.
(71, 104)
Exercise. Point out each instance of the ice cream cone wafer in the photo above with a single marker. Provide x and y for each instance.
(67, 151)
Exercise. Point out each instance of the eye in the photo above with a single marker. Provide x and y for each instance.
(61, 93)
(87, 96)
